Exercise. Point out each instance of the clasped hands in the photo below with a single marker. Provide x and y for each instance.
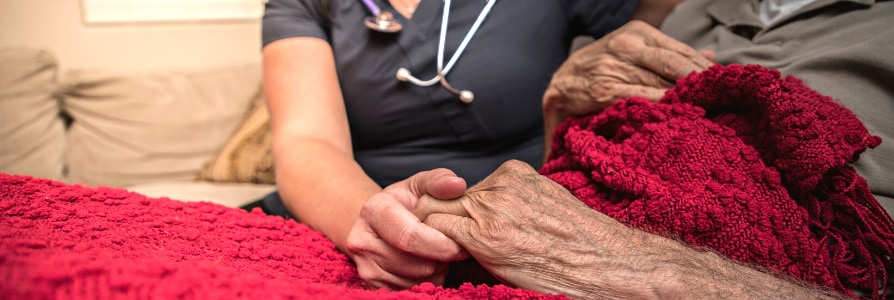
(521, 226)
(526, 230)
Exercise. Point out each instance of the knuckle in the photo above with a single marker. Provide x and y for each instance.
(354, 244)
(369, 208)
(366, 274)
(638, 24)
(516, 166)
(622, 43)
(375, 205)
(673, 64)
(602, 92)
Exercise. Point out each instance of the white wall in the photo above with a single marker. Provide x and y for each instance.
(58, 25)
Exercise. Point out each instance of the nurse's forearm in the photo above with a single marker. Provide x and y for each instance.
(321, 186)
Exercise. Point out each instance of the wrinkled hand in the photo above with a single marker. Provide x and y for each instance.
(532, 233)
(392, 248)
(634, 60)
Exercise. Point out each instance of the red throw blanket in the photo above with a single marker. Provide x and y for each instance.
(762, 177)
(741, 161)
(62, 241)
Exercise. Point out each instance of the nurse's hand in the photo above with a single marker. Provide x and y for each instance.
(391, 246)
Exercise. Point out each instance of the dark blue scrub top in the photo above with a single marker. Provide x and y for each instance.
(399, 128)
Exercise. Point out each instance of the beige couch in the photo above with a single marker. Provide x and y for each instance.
(200, 134)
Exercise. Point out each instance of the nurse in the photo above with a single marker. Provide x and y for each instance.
(348, 132)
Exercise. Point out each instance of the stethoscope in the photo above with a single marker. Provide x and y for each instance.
(383, 21)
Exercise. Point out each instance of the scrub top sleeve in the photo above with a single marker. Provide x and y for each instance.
(294, 18)
(598, 17)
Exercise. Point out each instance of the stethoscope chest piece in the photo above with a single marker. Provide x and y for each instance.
(382, 22)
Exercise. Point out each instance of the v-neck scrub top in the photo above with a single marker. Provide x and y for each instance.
(398, 128)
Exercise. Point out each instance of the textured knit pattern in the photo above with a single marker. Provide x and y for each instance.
(742, 161)
(61, 241)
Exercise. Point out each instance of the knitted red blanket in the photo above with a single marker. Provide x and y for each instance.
(735, 159)
(741, 161)
(62, 241)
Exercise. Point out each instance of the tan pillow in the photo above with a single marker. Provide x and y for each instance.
(247, 156)
(32, 131)
(136, 128)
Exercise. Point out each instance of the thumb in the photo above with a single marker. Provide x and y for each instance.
(441, 183)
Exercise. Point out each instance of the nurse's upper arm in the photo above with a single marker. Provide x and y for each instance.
(303, 93)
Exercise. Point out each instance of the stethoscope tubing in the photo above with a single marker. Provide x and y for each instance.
(373, 8)
(384, 22)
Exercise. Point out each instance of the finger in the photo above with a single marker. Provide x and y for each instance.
(407, 266)
(655, 38)
(669, 64)
(617, 91)
(709, 55)
(624, 91)
(381, 279)
(428, 205)
(393, 282)
(662, 54)
(458, 228)
(401, 229)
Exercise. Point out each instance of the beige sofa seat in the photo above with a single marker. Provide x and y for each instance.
(151, 132)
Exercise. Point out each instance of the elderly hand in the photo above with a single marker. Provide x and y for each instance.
(392, 248)
(634, 60)
(532, 233)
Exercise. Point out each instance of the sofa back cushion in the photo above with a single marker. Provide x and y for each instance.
(135, 128)
(247, 157)
(32, 131)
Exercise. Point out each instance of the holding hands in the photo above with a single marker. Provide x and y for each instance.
(525, 213)
(392, 247)
(532, 233)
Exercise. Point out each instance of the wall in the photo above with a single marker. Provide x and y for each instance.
(58, 25)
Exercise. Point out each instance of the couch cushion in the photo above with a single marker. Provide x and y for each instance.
(247, 155)
(32, 131)
(136, 128)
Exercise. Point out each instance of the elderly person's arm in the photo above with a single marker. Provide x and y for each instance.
(532, 233)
